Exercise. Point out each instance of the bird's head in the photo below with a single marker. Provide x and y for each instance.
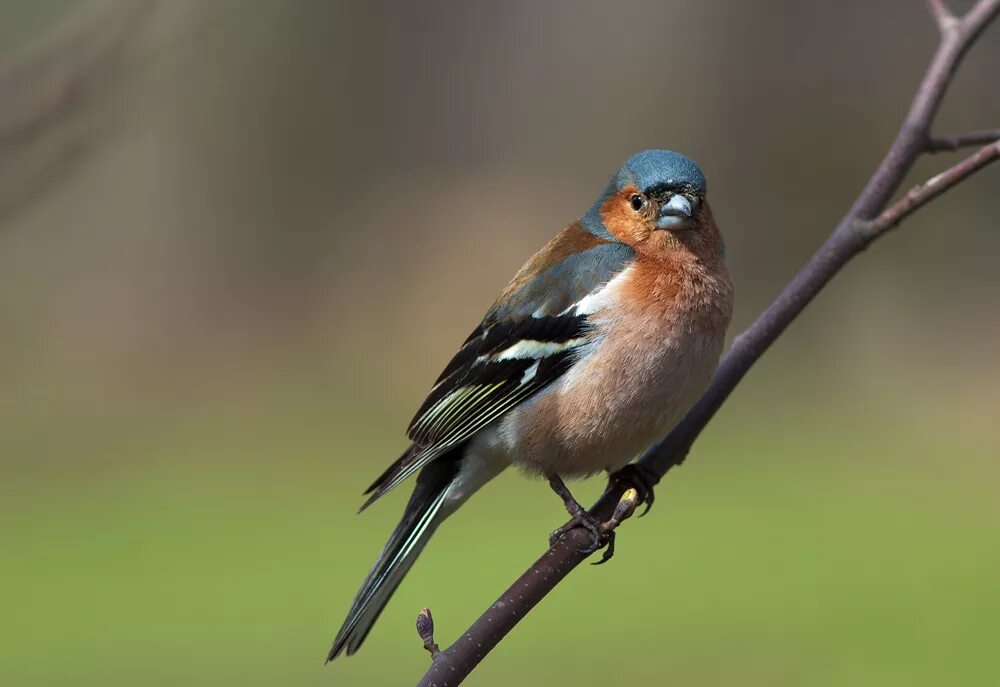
(656, 204)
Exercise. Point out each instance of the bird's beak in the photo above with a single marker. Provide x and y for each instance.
(674, 213)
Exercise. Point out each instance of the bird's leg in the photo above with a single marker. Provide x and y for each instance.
(639, 478)
(579, 517)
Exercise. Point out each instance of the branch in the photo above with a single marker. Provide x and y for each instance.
(44, 88)
(944, 18)
(918, 196)
(47, 98)
(973, 138)
(863, 223)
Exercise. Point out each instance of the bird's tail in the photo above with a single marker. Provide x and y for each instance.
(434, 498)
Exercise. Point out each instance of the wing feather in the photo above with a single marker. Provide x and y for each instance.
(486, 386)
(528, 339)
(494, 369)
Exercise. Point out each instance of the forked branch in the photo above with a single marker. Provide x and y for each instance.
(918, 196)
(942, 15)
(867, 219)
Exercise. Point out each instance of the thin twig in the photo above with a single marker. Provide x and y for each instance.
(48, 97)
(920, 195)
(457, 661)
(939, 144)
(944, 18)
(43, 89)
(45, 97)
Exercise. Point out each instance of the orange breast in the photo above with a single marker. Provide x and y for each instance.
(657, 342)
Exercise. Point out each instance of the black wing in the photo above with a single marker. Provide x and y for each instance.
(499, 366)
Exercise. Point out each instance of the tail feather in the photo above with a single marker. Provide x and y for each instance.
(424, 512)
(389, 471)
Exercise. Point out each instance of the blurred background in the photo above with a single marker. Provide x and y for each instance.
(238, 241)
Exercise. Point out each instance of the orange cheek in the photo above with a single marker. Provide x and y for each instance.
(622, 221)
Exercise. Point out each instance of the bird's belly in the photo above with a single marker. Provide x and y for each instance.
(627, 392)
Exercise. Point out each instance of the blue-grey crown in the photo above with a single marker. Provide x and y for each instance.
(651, 169)
(648, 170)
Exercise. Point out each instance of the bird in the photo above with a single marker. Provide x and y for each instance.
(596, 349)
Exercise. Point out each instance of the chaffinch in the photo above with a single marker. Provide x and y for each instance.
(596, 349)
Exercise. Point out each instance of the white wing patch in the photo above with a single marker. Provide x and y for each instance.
(535, 349)
(604, 297)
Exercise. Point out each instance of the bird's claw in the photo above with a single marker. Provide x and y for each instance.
(600, 534)
(642, 480)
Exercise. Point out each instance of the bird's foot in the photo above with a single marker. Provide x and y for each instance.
(639, 478)
(601, 535)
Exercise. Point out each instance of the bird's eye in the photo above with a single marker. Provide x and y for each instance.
(637, 202)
